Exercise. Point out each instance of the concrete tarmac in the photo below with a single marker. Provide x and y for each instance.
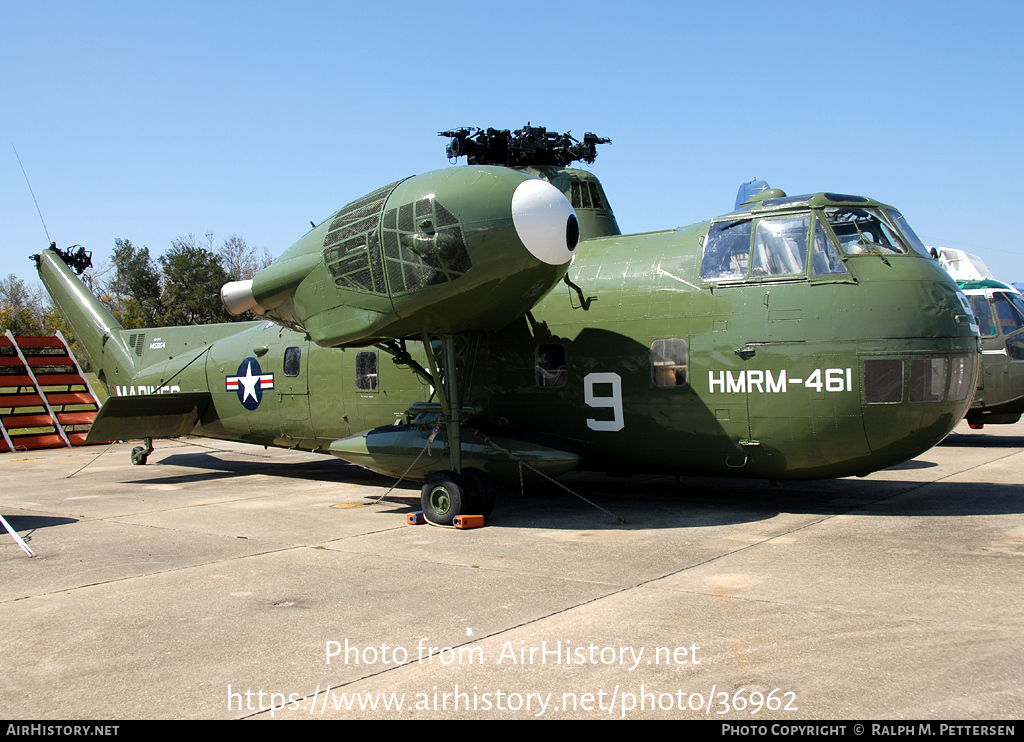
(216, 581)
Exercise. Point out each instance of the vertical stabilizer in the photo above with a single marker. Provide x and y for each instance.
(94, 326)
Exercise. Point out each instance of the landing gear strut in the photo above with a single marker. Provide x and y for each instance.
(447, 494)
(141, 454)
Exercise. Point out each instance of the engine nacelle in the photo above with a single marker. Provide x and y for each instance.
(455, 250)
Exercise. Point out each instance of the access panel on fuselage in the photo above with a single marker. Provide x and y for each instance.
(357, 389)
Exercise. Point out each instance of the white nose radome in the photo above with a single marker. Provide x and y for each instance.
(545, 221)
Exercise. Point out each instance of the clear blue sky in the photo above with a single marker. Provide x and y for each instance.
(152, 120)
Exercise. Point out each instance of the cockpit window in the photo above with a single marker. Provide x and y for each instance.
(780, 246)
(581, 196)
(1011, 316)
(983, 312)
(587, 194)
(826, 260)
(1017, 302)
(863, 231)
(726, 251)
(911, 236)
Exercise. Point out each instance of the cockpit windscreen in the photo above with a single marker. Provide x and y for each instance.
(862, 230)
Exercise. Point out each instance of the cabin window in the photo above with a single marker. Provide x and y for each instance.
(825, 260)
(927, 379)
(669, 362)
(780, 246)
(366, 371)
(863, 231)
(292, 358)
(883, 382)
(550, 367)
(983, 312)
(726, 251)
(1011, 318)
(1015, 348)
(960, 379)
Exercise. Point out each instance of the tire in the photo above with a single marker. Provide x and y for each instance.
(444, 495)
(482, 490)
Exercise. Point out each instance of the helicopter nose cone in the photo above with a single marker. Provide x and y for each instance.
(545, 221)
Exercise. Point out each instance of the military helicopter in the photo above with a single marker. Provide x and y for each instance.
(797, 337)
(999, 309)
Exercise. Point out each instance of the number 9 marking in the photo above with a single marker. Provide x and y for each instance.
(614, 401)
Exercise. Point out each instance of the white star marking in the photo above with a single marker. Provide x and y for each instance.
(249, 382)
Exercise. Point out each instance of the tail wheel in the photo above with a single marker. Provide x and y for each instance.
(444, 495)
(483, 492)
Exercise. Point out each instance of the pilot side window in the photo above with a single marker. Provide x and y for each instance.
(726, 251)
(549, 365)
(669, 362)
(292, 358)
(780, 246)
(366, 371)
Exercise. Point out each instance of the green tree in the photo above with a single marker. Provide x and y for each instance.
(192, 278)
(137, 285)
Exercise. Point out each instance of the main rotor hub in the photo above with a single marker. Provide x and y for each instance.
(531, 146)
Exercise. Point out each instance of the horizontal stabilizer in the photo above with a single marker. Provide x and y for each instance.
(148, 416)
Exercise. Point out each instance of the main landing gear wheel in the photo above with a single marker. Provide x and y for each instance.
(483, 492)
(444, 495)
